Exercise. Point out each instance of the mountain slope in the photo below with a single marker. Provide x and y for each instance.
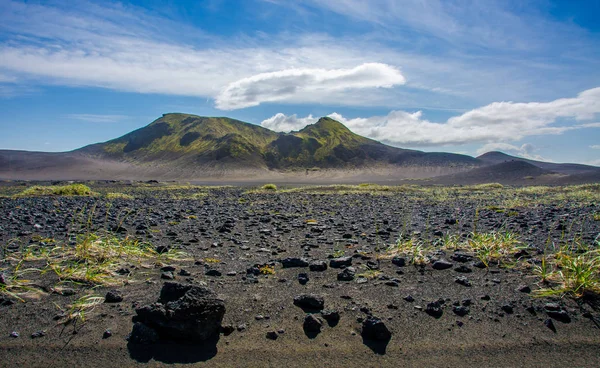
(188, 140)
(495, 157)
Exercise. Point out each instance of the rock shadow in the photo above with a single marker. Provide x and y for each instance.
(173, 353)
(377, 346)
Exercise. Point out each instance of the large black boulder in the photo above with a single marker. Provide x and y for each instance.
(184, 313)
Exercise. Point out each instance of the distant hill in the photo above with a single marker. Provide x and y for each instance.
(495, 157)
(188, 147)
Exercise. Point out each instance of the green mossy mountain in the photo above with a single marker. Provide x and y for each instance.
(184, 139)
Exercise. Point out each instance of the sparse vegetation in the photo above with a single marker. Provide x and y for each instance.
(63, 190)
(267, 270)
(574, 271)
(269, 187)
(113, 195)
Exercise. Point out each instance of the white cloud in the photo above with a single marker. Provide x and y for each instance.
(595, 146)
(93, 118)
(496, 122)
(526, 150)
(305, 84)
(286, 123)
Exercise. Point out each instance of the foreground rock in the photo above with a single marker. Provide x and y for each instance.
(183, 313)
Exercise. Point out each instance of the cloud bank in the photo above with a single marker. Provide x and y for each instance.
(496, 122)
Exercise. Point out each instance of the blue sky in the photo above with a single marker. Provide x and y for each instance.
(458, 76)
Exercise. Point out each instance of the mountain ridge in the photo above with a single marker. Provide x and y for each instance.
(179, 146)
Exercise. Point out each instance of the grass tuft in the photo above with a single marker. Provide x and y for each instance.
(64, 190)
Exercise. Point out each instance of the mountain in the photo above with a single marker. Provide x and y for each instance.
(188, 147)
(190, 141)
(495, 157)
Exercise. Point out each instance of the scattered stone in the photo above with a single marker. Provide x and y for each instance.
(272, 335)
(318, 266)
(399, 261)
(461, 257)
(113, 296)
(107, 334)
(183, 272)
(303, 278)
(374, 329)
(347, 274)
(241, 327)
(441, 264)
(294, 262)
(463, 269)
(461, 280)
(508, 308)
(434, 309)
(213, 272)
(340, 262)
(461, 310)
(409, 298)
(331, 316)
(14, 334)
(312, 324)
(524, 289)
(40, 333)
(309, 301)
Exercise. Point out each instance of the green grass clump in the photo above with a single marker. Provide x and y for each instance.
(493, 246)
(572, 272)
(62, 190)
(269, 187)
(113, 195)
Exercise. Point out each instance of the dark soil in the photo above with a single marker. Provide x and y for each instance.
(459, 315)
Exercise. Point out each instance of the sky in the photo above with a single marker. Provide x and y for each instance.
(435, 75)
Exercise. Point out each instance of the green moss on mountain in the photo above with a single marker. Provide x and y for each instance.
(185, 140)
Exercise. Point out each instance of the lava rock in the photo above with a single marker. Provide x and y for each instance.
(294, 262)
(113, 296)
(399, 261)
(331, 316)
(434, 309)
(184, 312)
(441, 264)
(107, 334)
(303, 278)
(309, 301)
(463, 269)
(347, 274)
(461, 280)
(272, 335)
(318, 266)
(374, 329)
(340, 262)
(460, 310)
(312, 324)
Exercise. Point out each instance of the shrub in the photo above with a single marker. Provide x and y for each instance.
(269, 187)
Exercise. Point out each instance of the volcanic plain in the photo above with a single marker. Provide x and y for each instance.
(313, 276)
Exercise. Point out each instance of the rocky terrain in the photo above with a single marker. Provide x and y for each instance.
(320, 276)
